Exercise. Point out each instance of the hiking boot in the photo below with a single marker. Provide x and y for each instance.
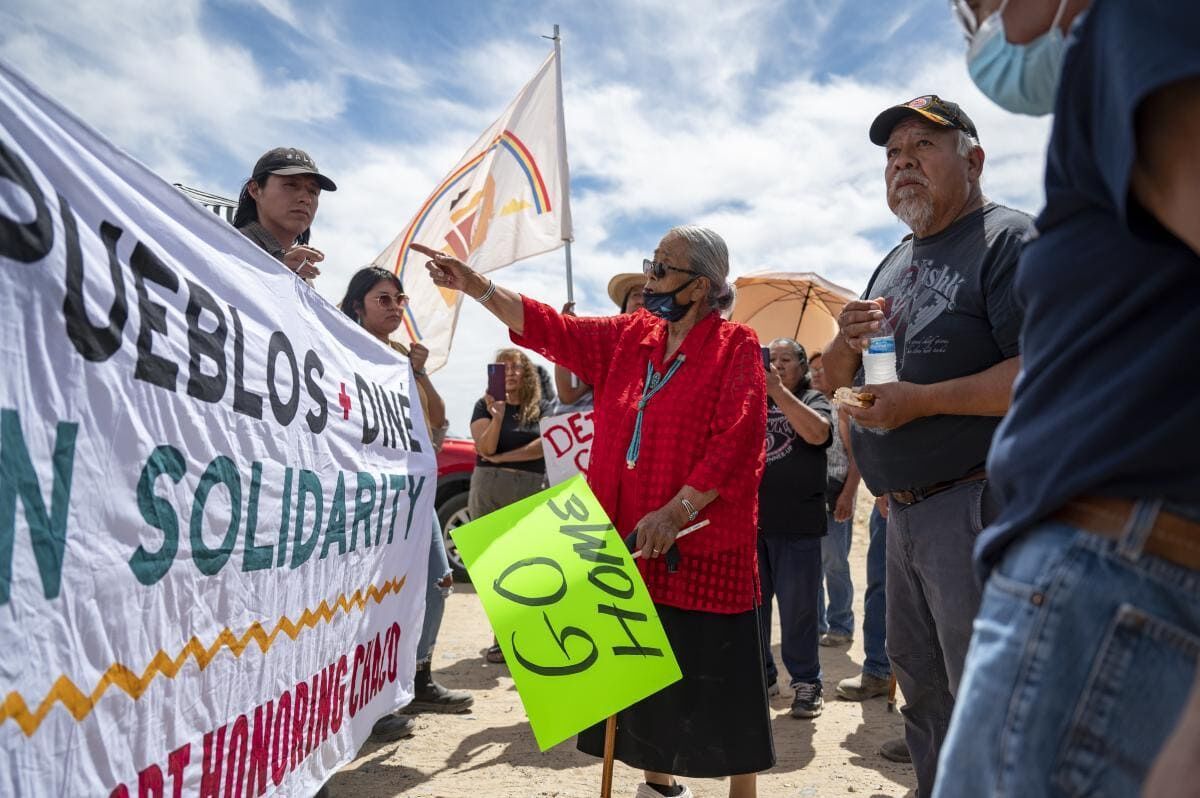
(429, 696)
(895, 751)
(863, 686)
(833, 639)
(390, 728)
(807, 702)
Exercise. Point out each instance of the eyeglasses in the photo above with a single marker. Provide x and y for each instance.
(966, 17)
(390, 300)
(659, 270)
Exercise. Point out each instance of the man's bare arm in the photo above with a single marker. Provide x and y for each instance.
(1166, 173)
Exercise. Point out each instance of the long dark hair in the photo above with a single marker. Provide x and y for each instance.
(247, 209)
(363, 281)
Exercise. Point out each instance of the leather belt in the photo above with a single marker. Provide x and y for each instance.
(907, 497)
(1173, 537)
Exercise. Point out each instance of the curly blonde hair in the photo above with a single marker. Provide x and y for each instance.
(529, 392)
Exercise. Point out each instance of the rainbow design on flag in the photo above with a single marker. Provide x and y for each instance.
(508, 142)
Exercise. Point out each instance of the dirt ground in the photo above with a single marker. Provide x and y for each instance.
(490, 751)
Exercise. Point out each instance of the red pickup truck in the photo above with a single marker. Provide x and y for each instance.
(455, 462)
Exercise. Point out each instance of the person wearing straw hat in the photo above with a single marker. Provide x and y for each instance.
(681, 400)
(625, 290)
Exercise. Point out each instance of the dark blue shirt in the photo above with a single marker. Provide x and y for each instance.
(1108, 401)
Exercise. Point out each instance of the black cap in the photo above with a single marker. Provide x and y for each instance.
(927, 106)
(291, 161)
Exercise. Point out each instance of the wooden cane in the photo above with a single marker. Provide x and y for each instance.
(891, 705)
(610, 727)
(610, 744)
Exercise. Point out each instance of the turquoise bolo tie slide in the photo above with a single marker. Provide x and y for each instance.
(652, 385)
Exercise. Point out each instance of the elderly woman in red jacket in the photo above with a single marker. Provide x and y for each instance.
(680, 417)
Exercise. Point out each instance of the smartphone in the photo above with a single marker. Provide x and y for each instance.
(766, 350)
(495, 383)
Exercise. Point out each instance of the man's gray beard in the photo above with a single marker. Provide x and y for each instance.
(916, 212)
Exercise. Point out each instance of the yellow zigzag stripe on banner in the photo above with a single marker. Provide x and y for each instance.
(79, 704)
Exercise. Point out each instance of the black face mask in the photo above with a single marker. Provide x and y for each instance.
(664, 305)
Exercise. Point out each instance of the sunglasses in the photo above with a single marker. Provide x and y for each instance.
(659, 270)
(390, 300)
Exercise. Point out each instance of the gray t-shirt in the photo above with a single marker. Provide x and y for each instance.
(949, 301)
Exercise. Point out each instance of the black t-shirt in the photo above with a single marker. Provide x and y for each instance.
(791, 496)
(949, 300)
(1107, 399)
(512, 436)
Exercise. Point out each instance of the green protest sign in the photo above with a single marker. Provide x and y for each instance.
(569, 608)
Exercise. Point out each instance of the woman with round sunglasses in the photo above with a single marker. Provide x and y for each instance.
(680, 418)
(375, 299)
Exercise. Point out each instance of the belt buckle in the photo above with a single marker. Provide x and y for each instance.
(905, 497)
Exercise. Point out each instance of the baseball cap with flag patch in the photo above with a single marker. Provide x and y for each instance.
(291, 161)
(928, 106)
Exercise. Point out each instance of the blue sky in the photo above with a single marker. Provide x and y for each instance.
(747, 117)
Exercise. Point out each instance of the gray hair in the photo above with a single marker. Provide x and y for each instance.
(966, 143)
(709, 257)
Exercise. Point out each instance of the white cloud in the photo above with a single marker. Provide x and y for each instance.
(670, 119)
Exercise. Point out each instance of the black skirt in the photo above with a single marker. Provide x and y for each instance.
(713, 722)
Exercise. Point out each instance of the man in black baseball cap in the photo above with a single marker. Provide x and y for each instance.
(940, 310)
(278, 204)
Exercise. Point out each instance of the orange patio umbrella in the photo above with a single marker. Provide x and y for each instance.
(799, 305)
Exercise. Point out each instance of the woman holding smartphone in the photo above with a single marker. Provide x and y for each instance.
(509, 466)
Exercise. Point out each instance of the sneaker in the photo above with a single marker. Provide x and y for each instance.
(773, 689)
(644, 790)
(895, 751)
(863, 686)
(429, 696)
(832, 639)
(390, 728)
(807, 702)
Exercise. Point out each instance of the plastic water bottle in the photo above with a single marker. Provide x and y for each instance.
(879, 358)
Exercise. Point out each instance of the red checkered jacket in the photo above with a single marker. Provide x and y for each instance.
(706, 428)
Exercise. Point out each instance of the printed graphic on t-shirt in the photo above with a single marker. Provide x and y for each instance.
(920, 294)
(780, 435)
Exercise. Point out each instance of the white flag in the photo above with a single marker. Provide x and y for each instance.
(505, 200)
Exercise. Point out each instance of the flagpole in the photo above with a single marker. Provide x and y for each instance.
(566, 184)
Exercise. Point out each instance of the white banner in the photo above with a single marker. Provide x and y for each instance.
(505, 200)
(215, 492)
(567, 445)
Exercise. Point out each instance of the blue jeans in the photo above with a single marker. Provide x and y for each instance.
(790, 568)
(1083, 657)
(875, 661)
(435, 597)
(932, 597)
(835, 562)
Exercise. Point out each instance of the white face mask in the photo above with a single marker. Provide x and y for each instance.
(1022, 78)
